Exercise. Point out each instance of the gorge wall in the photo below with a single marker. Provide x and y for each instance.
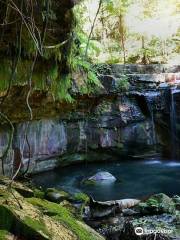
(108, 125)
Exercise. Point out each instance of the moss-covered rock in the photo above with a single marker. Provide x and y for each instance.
(35, 218)
(55, 195)
(22, 189)
(157, 204)
(65, 217)
(38, 193)
(5, 235)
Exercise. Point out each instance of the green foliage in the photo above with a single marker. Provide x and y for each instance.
(60, 88)
(122, 83)
(158, 203)
(102, 68)
(5, 73)
(113, 60)
(92, 79)
(89, 73)
(79, 64)
(52, 53)
(27, 44)
(43, 78)
(117, 7)
(39, 81)
(53, 72)
(120, 26)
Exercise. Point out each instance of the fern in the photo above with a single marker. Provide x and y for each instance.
(4, 76)
(60, 89)
(122, 84)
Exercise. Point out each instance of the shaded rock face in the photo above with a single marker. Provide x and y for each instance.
(45, 141)
(122, 125)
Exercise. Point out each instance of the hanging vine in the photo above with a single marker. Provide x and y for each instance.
(29, 34)
(33, 31)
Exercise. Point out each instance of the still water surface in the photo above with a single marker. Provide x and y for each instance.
(135, 179)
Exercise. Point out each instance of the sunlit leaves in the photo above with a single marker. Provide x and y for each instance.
(155, 19)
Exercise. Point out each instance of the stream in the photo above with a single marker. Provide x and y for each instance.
(135, 179)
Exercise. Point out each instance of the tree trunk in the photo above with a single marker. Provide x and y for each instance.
(144, 57)
(92, 28)
(122, 36)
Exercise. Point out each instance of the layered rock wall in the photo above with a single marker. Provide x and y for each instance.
(110, 125)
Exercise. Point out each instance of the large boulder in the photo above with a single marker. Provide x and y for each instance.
(101, 177)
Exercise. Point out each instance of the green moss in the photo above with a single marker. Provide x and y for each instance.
(4, 234)
(63, 193)
(35, 218)
(38, 194)
(54, 53)
(60, 88)
(22, 226)
(37, 225)
(43, 78)
(81, 197)
(62, 215)
(55, 195)
(53, 72)
(89, 182)
(6, 219)
(28, 44)
(5, 73)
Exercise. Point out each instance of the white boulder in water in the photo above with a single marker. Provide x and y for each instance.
(102, 177)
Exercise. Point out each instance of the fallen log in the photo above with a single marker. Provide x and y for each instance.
(100, 209)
